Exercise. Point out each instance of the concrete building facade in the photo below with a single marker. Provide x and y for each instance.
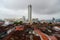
(30, 13)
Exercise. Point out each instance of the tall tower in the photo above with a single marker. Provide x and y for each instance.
(53, 20)
(24, 19)
(30, 14)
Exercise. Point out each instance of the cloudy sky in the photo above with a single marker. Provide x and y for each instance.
(42, 9)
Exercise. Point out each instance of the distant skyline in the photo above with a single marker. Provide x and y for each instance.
(42, 9)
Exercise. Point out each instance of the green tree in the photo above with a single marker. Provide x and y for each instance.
(16, 23)
(21, 22)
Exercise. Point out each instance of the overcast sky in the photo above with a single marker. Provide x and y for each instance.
(42, 9)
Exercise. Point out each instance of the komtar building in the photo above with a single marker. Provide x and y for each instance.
(30, 13)
(30, 19)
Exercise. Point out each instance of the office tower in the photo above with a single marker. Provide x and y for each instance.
(53, 20)
(30, 14)
(23, 19)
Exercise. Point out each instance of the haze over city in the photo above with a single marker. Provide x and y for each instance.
(29, 19)
(42, 9)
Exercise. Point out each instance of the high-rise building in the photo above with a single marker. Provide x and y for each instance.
(53, 20)
(24, 20)
(30, 14)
